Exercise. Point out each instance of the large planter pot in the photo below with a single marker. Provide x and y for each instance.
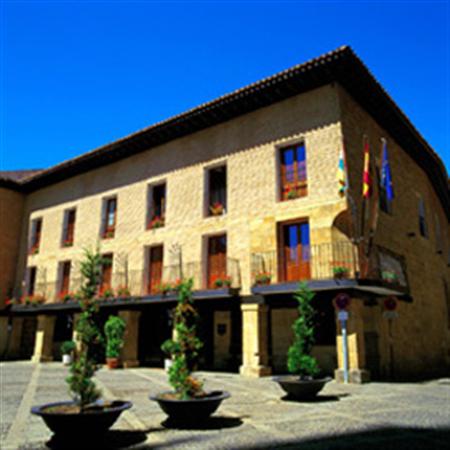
(76, 426)
(112, 363)
(299, 389)
(191, 410)
(67, 360)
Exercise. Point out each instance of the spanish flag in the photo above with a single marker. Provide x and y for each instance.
(367, 182)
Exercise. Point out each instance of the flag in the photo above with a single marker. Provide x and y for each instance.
(367, 182)
(341, 174)
(386, 178)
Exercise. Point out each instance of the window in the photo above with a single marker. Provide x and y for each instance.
(68, 227)
(155, 269)
(216, 200)
(216, 270)
(156, 206)
(106, 273)
(109, 218)
(422, 219)
(35, 241)
(31, 280)
(64, 275)
(294, 251)
(293, 180)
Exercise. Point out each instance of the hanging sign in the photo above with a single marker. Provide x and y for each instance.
(342, 301)
(390, 306)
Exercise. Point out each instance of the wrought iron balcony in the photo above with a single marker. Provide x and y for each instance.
(139, 283)
(340, 260)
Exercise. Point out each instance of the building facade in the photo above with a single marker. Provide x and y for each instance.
(241, 195)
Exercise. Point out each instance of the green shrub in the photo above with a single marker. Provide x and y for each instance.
(114, 331)
(300, 361)
(84, 366)
(67, 347)
(184, 348)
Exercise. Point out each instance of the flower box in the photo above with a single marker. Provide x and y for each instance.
(217, 209)
(340, 272)
(156, 222)
(263, 278)
(223, 282)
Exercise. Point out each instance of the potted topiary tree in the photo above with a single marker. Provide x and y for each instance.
(304, 382)
(67, 349)
(188, 402)
(85, 412)
(114, 331)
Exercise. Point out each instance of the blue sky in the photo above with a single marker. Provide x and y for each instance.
(77, 75)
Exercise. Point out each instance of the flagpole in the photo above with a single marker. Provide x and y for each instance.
(352, 206)
(363, 262)
(376, 209)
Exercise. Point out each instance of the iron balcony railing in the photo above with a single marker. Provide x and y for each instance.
(136, 283)
(340, 259)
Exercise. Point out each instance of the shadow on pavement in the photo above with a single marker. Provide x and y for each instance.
(316, 399)
(114, 439)
(213, 423)
(395, 438)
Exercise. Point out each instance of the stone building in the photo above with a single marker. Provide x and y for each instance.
(241, 195)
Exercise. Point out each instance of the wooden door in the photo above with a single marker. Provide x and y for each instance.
(217, 259)
(155, 268)
(295, 258)
(106, 272)
(65, 278)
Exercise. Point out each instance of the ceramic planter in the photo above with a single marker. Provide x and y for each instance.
(191, 410)
(67, 360)
(76, 426)
(299, 389)
(112, 363)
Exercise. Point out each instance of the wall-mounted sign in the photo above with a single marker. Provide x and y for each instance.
(342, 301)
(390, 315)
(390, 303)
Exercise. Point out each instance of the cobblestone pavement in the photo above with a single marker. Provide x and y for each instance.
(371, 416)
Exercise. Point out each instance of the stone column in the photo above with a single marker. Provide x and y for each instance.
(15, 339)
(129, 353)
(356, 345)
(43, 345)
(255, 340)
(3, 334)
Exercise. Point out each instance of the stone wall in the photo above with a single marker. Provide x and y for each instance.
(11, 219)
(247, 145)
(421, 334)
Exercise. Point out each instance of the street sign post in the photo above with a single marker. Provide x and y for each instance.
(342, 301)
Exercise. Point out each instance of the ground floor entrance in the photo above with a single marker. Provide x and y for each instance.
(219, 329)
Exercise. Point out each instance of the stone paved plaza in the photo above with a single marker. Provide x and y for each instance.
(371, 416)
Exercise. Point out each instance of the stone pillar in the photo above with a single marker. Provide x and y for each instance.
(356, 346)
(3, 334)
(43, 345)
(129, 353)
(15, 339)
(255, 340)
